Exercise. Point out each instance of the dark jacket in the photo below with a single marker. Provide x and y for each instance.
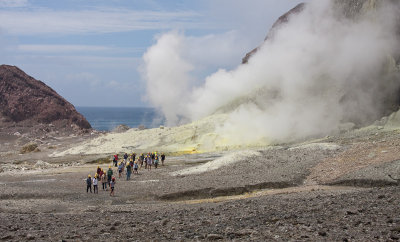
(89, 181)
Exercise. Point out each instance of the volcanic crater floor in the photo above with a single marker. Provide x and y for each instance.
(326, 190)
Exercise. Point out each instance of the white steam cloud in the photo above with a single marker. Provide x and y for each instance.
(318, 71)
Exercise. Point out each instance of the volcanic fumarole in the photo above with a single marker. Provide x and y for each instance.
(333, 63)
(330, 64)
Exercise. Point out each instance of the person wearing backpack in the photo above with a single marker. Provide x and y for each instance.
(103, 179)
(109, 175)
(128, 172)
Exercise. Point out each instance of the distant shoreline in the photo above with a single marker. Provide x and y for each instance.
(108, 118)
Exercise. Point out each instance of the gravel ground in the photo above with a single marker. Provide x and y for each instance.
(342, 215)
(332, 190)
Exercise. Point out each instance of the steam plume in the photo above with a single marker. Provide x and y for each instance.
(325, 67)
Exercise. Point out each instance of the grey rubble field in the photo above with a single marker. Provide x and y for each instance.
(334, 189)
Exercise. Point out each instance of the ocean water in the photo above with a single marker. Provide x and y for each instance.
(107, 118)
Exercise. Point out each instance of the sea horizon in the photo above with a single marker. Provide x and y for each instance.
(108, 118)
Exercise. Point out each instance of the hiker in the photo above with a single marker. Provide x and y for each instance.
(148, 162)
(132, 165)
(120, 167)
(162, 158)
(115, 160)
(125, 157)
(128, 172)
(101, 173)
(133, 156)
(95, 182)
(123, 167)
(135, 167)
(103, 179)
(141, 159)
(156, 161)
(89, 184)
(112, 185)
(109, 175)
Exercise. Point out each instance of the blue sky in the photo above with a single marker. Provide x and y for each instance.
(91, 51)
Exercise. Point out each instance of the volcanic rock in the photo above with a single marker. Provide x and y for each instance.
(28, 102)
(121, 128)
(29, 148)
(214, 237)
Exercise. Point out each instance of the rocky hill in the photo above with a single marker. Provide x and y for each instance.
(27, 102)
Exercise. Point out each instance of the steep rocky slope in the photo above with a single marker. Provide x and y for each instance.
(25, 100)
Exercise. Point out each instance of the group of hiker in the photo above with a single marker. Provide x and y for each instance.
(129, 163)
(106, 178)
(148, 160)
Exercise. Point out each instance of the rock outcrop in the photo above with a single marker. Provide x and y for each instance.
(29, 102)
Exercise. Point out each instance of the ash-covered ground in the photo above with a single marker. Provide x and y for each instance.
(333, 189)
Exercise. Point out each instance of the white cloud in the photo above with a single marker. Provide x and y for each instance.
(85, 77)
(45, 21)
(62, 48)
(13, 3)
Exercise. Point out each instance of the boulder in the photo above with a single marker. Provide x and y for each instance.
(30, 147)
(121, 128)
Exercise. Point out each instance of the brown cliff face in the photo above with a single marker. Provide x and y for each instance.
(24, 99)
